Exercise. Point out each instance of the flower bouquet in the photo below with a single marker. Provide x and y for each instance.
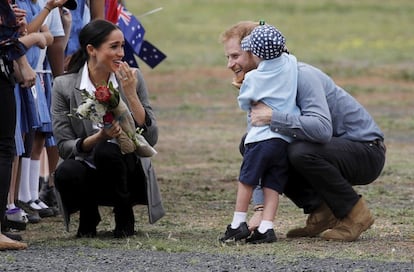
(106, 105)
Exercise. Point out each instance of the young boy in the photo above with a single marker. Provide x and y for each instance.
(274, 83)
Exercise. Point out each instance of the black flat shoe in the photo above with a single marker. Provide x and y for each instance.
(86, 234)
(259, 238)
(124, 233)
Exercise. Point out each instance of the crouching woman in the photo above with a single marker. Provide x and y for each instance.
(95, 170)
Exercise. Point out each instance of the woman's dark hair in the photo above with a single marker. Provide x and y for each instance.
(94, 33)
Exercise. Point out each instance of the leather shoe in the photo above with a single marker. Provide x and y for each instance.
(358, 220)
(123, 233)
(318, 221)
(86, 234)
(44, 212)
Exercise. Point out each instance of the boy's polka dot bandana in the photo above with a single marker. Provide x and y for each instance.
(265, 41)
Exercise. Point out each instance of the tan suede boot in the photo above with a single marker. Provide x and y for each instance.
(350, 228)
(318, 221)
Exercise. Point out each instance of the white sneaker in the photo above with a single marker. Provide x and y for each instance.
(17, 215)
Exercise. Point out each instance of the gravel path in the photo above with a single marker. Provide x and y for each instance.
(92, 259)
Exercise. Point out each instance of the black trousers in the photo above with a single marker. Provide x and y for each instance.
(117, 181)
(327, 172)
(7, 143)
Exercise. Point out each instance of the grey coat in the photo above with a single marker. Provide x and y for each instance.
(67, 131)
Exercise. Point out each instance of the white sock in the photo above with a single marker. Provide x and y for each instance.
(238, 218)
(11, 206)
(24, 187)
(42, 205)
(35, 206)
(34, 179)
(265, 225)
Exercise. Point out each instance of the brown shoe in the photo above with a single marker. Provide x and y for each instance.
(9, 244)
(255, 220)
(318, 221)
(358, 220)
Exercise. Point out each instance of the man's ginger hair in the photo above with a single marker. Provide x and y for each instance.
(239, 30)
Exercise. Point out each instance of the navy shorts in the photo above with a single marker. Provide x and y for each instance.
(266, 162)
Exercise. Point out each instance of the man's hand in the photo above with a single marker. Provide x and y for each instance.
(236, 84)
(260, 114)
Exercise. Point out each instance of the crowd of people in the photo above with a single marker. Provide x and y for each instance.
(50, 49)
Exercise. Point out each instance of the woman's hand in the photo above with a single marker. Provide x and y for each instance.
(112, 131)
(128, 78)
(19, 13)
(106, 133)
(20, 19)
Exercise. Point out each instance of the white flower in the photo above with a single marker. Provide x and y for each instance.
(84, 109)
(100, 109)
(91, 110)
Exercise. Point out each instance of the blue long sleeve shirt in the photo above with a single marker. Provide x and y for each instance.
(327, 111)
(274, 83)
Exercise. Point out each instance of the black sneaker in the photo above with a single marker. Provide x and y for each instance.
(240, 233)
(259, 238)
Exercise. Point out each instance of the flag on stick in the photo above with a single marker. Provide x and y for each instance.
(150, 54)
(134, 35)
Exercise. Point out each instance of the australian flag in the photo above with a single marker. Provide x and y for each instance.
(134, 36)
(133, 30)
(150, 54)
(129, 56)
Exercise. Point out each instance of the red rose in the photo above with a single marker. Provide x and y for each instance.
(108, 118)
(102, 94)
